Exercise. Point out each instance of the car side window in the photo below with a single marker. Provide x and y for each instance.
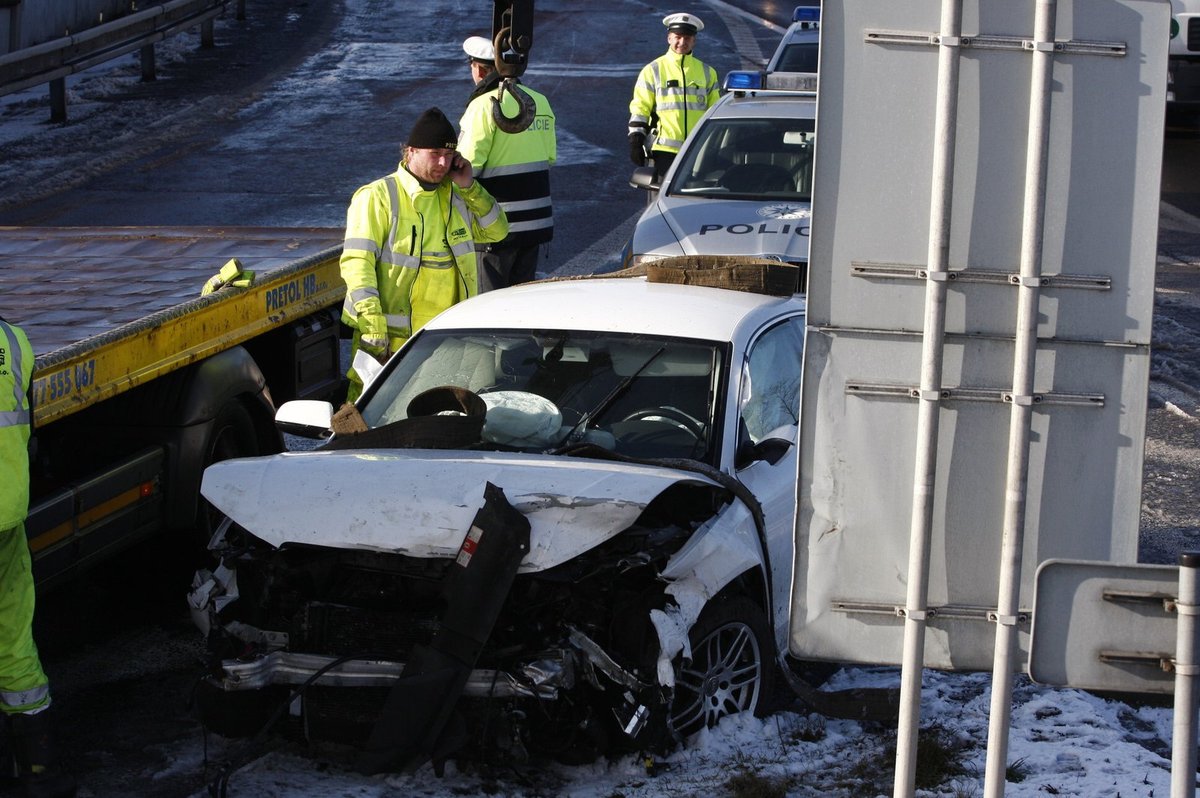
(769, 404)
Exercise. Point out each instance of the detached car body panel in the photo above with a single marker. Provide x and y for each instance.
(588, 548)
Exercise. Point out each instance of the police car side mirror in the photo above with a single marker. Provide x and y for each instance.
(643, 177)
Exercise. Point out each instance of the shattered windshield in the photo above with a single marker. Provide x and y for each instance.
(639, 396)
(748, 159)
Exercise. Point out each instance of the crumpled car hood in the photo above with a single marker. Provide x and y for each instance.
(421, 502)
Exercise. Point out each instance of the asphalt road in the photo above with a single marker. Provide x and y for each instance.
(236, 136)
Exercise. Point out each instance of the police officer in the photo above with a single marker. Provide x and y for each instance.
(514, 167)
(409, 251)
(24, 689)
(676, 89)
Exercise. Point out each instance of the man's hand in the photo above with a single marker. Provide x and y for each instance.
(376, 346)
(374, 338)
(460, 172)
(637, 148)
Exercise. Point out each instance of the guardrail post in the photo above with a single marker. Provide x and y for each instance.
(58, 100)
(241, 10)
(206, 34)
(148, 72)
(14, 23)
(1183, 736)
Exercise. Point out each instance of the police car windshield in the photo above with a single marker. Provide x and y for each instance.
(748, 159)
(798, 57)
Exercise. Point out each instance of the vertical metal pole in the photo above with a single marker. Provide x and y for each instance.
(14, 27)
(206, 34)
(58, 100)
(1183, 735)
(148, 71)
(241, 10)
(1004, 663)
(929, 401)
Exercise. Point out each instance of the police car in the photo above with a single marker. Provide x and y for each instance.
(799, 47)
(742, 184)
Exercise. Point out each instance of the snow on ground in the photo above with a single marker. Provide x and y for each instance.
(1063, 742)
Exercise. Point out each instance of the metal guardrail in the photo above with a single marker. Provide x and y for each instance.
(51, 62)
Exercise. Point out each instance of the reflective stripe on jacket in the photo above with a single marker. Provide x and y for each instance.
(676, 88)
(410, 253)
(514, 167)
(16, 371)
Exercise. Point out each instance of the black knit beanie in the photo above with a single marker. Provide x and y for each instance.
(433, 131)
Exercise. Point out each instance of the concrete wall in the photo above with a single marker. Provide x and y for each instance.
(27, 22)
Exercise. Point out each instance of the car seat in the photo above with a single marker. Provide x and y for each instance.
(757, 178)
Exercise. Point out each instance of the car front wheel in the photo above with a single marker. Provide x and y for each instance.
(731, 670)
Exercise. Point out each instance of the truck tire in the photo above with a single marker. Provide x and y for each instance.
(233, 435)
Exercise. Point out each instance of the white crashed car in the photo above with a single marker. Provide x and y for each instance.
(741, 185)
(564, 527)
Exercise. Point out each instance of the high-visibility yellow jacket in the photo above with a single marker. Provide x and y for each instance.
(678, 89)
(16, 371)
(409, 253)
(514, 167)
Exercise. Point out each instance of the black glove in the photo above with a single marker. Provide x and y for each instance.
(637, 148)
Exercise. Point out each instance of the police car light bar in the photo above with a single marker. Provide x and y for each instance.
(770, 82)
(807, 14)
(738, 80)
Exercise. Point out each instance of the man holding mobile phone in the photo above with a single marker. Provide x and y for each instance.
(676, 89)
(409, 251)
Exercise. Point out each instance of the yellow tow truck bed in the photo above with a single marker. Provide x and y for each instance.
(107, 309)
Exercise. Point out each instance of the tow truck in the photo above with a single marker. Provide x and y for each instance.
(139, 382)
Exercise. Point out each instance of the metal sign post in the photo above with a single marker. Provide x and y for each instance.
(1183, 738)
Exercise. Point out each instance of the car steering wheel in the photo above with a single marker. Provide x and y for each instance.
(674, 415)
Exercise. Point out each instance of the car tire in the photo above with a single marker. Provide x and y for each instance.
(732, 668)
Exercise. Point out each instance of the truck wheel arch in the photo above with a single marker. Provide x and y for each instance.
(224, 410)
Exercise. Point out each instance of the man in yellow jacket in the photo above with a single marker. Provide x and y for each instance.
(514, 167)
(676, 89)
(409, 251)
(24, 689)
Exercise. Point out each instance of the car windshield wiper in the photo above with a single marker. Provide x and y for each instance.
(575, 435)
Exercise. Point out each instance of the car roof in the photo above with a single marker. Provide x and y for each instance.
(761, 104)
(617, 304)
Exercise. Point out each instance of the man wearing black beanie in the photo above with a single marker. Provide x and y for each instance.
(409, 251)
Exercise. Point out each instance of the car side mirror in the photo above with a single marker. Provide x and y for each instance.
(643, 177)
(307, 418)
(770, 449)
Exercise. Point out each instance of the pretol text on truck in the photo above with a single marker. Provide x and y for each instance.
(140, 382)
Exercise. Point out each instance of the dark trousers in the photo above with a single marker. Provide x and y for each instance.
(662, 162)
(500, 266)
